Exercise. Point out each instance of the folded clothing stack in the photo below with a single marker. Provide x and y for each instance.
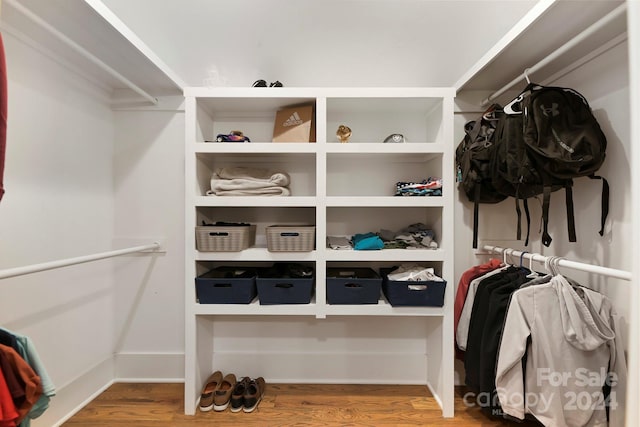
(414, 273)
(427, 187)
(244, 181)
(415, 236)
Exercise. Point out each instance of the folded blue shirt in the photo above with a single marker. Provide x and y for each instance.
(367, 242)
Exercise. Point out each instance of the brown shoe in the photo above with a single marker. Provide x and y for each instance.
(253, 394)
(206, 398)
(222, 394)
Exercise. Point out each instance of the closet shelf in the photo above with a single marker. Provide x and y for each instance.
(392, 255)
(385, 201)
(241, 201)
(256, 309)
(543, 30)
(383, 308)
(255, 254)
(253, 147)
(421, 148)
(81, 37)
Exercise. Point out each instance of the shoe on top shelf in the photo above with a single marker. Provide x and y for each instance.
(253, 394)
(222, 394)
(210, 386)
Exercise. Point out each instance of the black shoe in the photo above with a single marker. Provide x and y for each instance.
(253, 394)
(260, 83)
(237, 397)
(276, 84)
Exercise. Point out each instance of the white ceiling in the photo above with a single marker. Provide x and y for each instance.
(319, 43)
(160, 46)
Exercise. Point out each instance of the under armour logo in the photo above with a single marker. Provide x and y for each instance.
(553, 111)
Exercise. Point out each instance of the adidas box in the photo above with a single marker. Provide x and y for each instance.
(295, 124)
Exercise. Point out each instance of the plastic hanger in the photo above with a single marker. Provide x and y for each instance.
(532, 274)
(521, 256)
(515, 103)
(490, 113)
(506, 252)
(521, 266)
(548, 266)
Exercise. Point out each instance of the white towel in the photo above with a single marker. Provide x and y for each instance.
(266, 191)
(243, 181)
(274, 178)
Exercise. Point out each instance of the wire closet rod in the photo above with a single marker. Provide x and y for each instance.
(82, 51)
(34, 268)
(560, 51)
(574, 265)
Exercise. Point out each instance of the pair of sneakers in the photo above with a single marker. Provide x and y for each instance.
(263, 83)
(216, 392)
(247, 394)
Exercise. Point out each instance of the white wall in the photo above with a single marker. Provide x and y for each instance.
(149, 204)
(605, 83)
(58, 204)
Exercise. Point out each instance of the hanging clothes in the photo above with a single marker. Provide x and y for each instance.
(3, 113)
(485, 326)
(17, 388)
(27, 350)
(462, 331)
(24, 384)
(8, 411)
(462, 290)
(568, 335)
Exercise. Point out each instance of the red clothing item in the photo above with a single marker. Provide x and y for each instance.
(3, 113)
(8, 411)
(31, 385)
(463, 287)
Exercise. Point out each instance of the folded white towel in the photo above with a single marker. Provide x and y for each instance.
(275, 178)
(266, 191)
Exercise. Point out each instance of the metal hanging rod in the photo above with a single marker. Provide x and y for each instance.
(574, 265)
(560, 51)
(34, 268)
(82, 51)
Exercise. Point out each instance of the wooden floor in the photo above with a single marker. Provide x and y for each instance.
(156, 405)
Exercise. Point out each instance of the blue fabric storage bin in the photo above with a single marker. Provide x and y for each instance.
(412, 293)
(353, 286)
(281, 285)
(226, 285)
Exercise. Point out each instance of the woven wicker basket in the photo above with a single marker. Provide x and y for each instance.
(291, 238)
(225, 238)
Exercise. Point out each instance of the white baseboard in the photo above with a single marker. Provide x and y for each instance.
(149, 367)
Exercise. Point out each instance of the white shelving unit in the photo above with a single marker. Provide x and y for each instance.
(342, 189)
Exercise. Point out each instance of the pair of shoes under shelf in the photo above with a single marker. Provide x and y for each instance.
(247, 394)
(216, 392)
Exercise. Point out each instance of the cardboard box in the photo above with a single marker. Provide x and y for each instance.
(295, 124)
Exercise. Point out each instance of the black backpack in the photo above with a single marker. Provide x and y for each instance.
(514, 171)
(473, 160)
(564, 141)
